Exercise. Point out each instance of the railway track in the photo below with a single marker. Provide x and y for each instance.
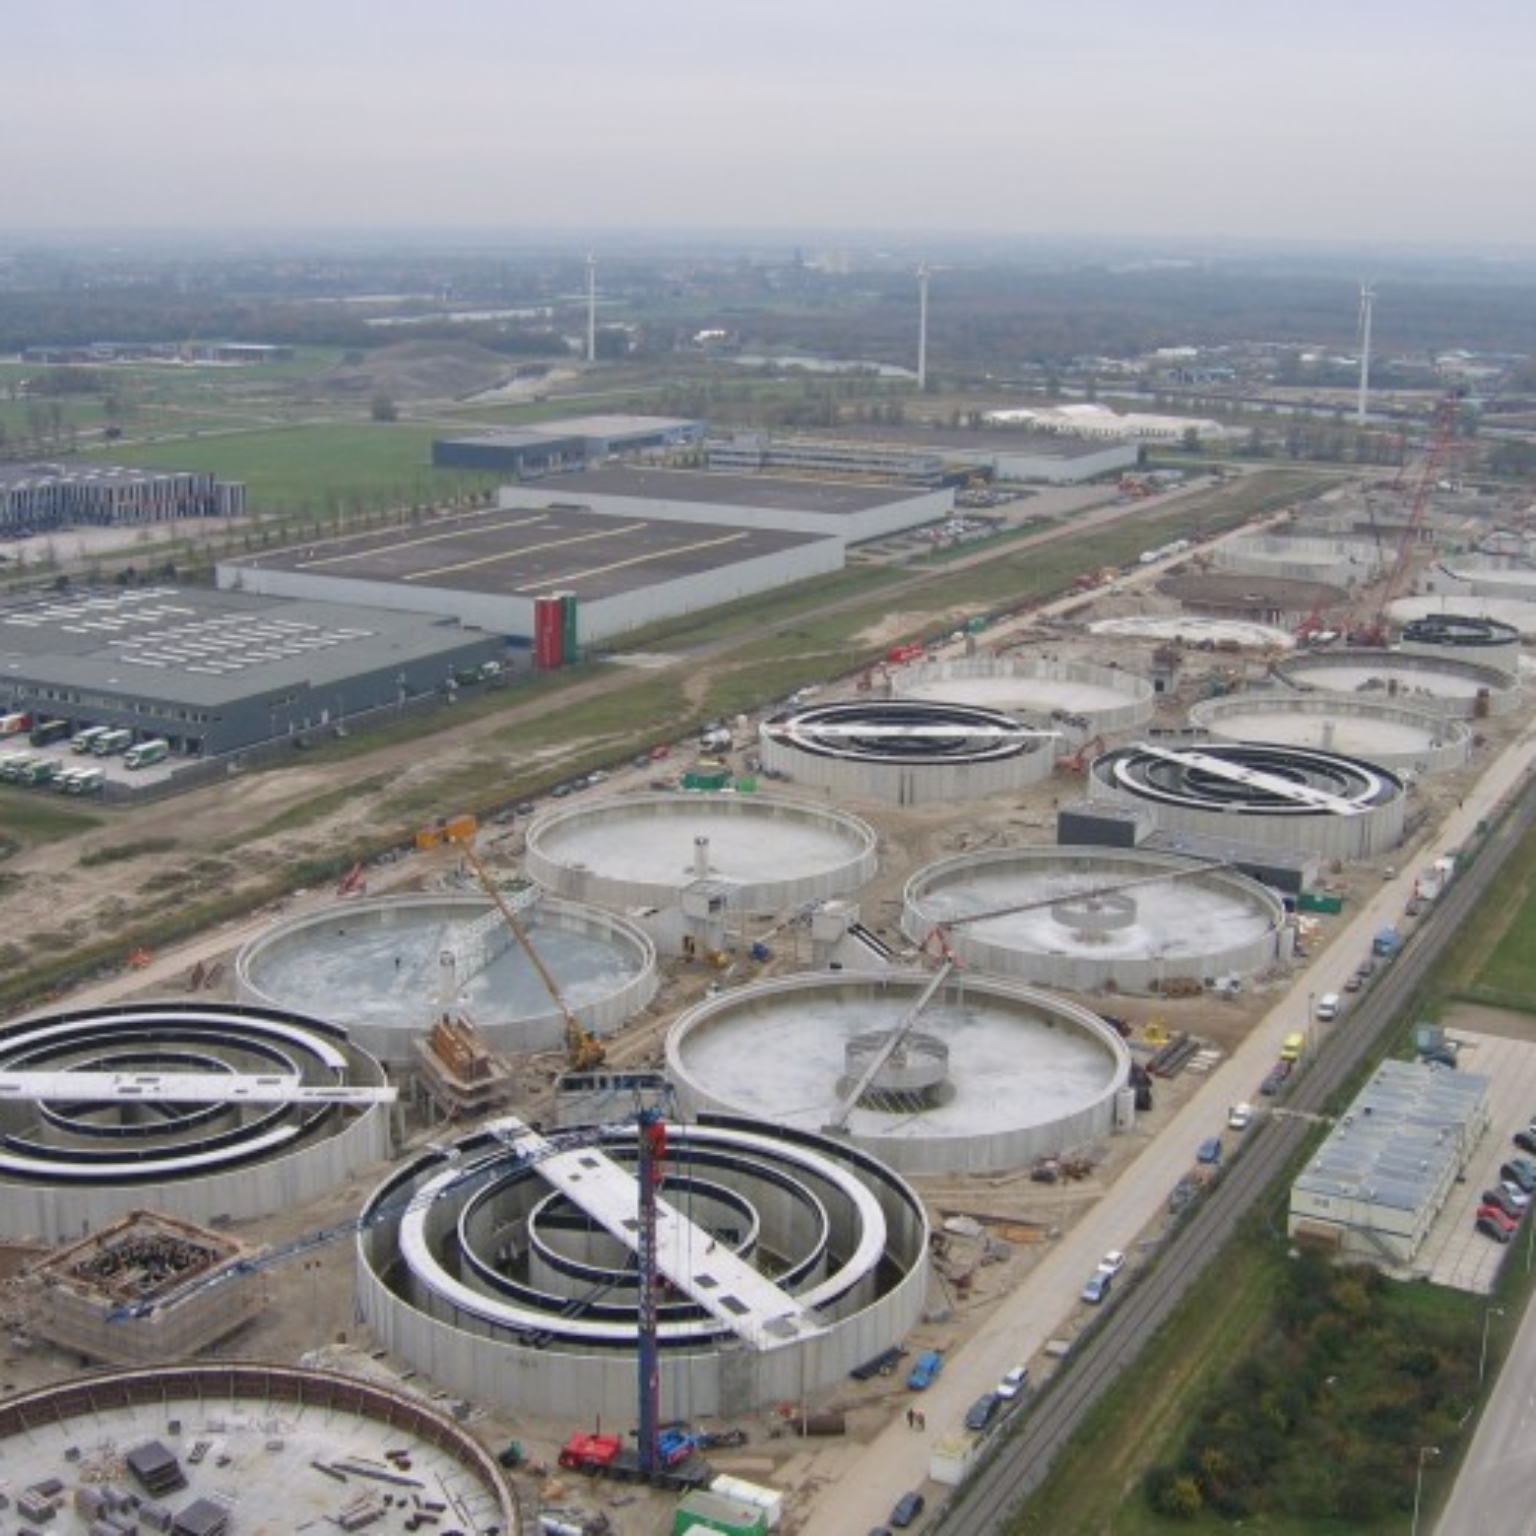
(998, 1488)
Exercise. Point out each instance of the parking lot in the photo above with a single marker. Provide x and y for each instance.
(1454, 1253)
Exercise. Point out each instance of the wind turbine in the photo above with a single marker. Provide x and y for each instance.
(923, 273)
(1367, 299)
(591, 308)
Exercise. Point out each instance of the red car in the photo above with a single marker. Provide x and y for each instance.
(1498, 1216)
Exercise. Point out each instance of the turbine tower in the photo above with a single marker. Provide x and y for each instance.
(591, 308)
(1367, 299)
(922, 328)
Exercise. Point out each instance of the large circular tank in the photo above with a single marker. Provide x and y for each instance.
(386, 967)
(1520, 615)
(273, 1425)
(1471, 637)
(646, 850)
(1106, 698)
(1027, 1073)
(1088, 918)
(1286, 797)
(499, 1275)
(1407, 740)
(908, 752)
(1442, 684)
(1483, 576)
(70, 1163)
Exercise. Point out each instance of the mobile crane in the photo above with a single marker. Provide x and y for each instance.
(583, 1049)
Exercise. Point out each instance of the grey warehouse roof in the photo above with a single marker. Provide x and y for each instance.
(773, 492)
(1398, 1137)
(205, 647)
(529, 551)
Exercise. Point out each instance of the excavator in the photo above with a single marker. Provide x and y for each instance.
(583, 1050)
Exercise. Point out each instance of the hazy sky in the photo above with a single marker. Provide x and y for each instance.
(1351, 120)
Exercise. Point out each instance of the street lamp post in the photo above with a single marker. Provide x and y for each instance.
(1489, 1314)
(1425, 1452)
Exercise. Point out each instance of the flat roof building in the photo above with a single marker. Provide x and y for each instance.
(546, 448)
(1374, 1187)
(43, 497)
(216, 672)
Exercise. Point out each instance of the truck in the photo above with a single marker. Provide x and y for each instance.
(83, 781)
(16, 766)
(147, 752)
(1387, 942)
(111, 742)
(911, 651)
(84, 741)
(40, 771)
(14, 724)
(46, 732)
(609, 1456)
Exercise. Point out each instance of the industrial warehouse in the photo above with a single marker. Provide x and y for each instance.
(871, 999)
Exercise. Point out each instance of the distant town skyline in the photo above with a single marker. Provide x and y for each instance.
(1362, 123)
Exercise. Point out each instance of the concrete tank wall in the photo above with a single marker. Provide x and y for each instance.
(1242, 949)
(391, 1038)
(1440, 685)
(705, 1374)
(1374, 827)
(1005, 1136)
(1445, 743)
(1014, 673)
(695, 815)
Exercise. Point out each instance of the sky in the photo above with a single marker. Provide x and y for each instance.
(1349, 122)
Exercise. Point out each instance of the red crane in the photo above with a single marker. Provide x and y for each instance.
(1443, 444)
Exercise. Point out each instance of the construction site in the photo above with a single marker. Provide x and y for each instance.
(866, 1001)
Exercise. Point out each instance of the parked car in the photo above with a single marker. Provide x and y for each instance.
(1496, 1213)
(1521, 1171)
(1354, 983)
(982, 1411)
(1112, 1263)
(1097, 1288)
(926, 1370)
(1499, 1196)
(1516, 1195)
(908, 1507)
(1013, 1383)
(1498, 1232)
(1209, 1151)
(1239, 1116)
(1525, 1141)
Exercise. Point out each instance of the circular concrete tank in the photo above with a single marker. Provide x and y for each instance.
(1282, 797)
(70, 1163)
(1442, 684)
(1468, 637)
(1026, 1073)
(1409, 741)
(497, 1276)
(1089, 918)
(1195, 630)
(1105, 698)
(908, 752)
(386, 967)
(646, 850)
(1517, 614)
(273, 1425)
(1483, 576)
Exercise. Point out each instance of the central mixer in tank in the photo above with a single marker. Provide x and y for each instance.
(913, 1074)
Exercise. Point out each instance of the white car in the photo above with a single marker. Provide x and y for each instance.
(1112, 1263)
(1240, 1116)
(1013, 1383)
